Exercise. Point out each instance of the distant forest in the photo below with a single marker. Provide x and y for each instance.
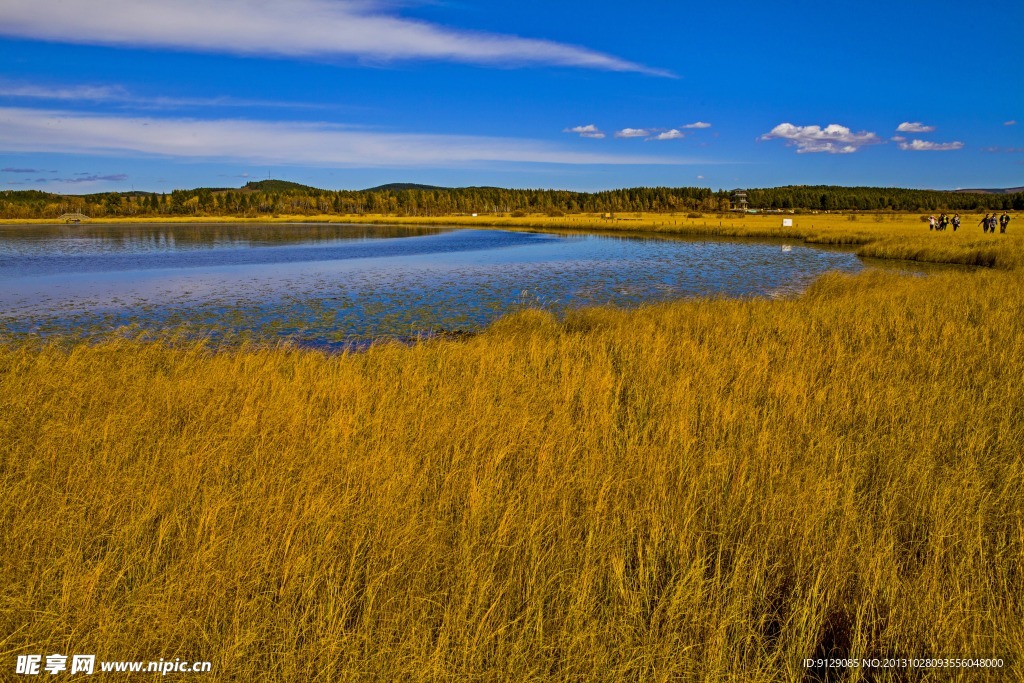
(275, 197)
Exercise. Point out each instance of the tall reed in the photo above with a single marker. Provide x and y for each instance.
(703, 490)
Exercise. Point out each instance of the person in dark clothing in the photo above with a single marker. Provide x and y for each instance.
(956, 221)
(1004, 221)
(943, 221)
(984, 223)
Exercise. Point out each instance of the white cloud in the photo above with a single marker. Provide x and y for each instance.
(923, 146)
(633, 133)
(833, 139)
(297, 28)
(1011, 122)
(698, 124)
(287, 142)
(79, 178)
(94, 93)
(898, 138)
(116, 94)
(669, 135)
(588, 131)
(914, 127)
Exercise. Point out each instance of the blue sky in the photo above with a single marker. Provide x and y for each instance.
(347, 94)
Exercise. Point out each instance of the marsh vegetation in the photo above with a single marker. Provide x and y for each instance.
(704, 489)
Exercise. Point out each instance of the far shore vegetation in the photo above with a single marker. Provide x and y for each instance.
(883, 222)
(263, 199)
(706, 490)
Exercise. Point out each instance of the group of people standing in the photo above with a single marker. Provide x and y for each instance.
(944, 222)
(988, 223)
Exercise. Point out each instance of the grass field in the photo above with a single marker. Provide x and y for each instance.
(707, 490)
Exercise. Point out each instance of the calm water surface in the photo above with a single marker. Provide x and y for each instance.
(336, 284)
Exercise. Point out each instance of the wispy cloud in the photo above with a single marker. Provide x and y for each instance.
(75, 179)
(633, 133)
(366, 29)
(1011, 122)
(833, 139)
(668, 135)
(116, 94)
(698, 124)
(79, 178)
(23, 170)
(588, 131)
(1003, 150)
(914, 127)
(925, 146)
(289, 142)
(93, 93)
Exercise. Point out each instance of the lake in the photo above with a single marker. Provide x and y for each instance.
(327, 285)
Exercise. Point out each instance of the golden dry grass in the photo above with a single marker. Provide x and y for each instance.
(704, 490)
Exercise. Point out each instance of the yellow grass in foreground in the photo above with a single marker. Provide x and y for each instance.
(705, 490)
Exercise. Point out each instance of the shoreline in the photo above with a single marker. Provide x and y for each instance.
(901, 236)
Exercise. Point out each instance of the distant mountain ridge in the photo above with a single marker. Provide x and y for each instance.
(398, 187)
(270, 185)
(1008, 190)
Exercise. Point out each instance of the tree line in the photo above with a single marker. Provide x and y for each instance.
(831, 198)
(268, 198)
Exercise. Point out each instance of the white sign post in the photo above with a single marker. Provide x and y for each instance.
(787, 222)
